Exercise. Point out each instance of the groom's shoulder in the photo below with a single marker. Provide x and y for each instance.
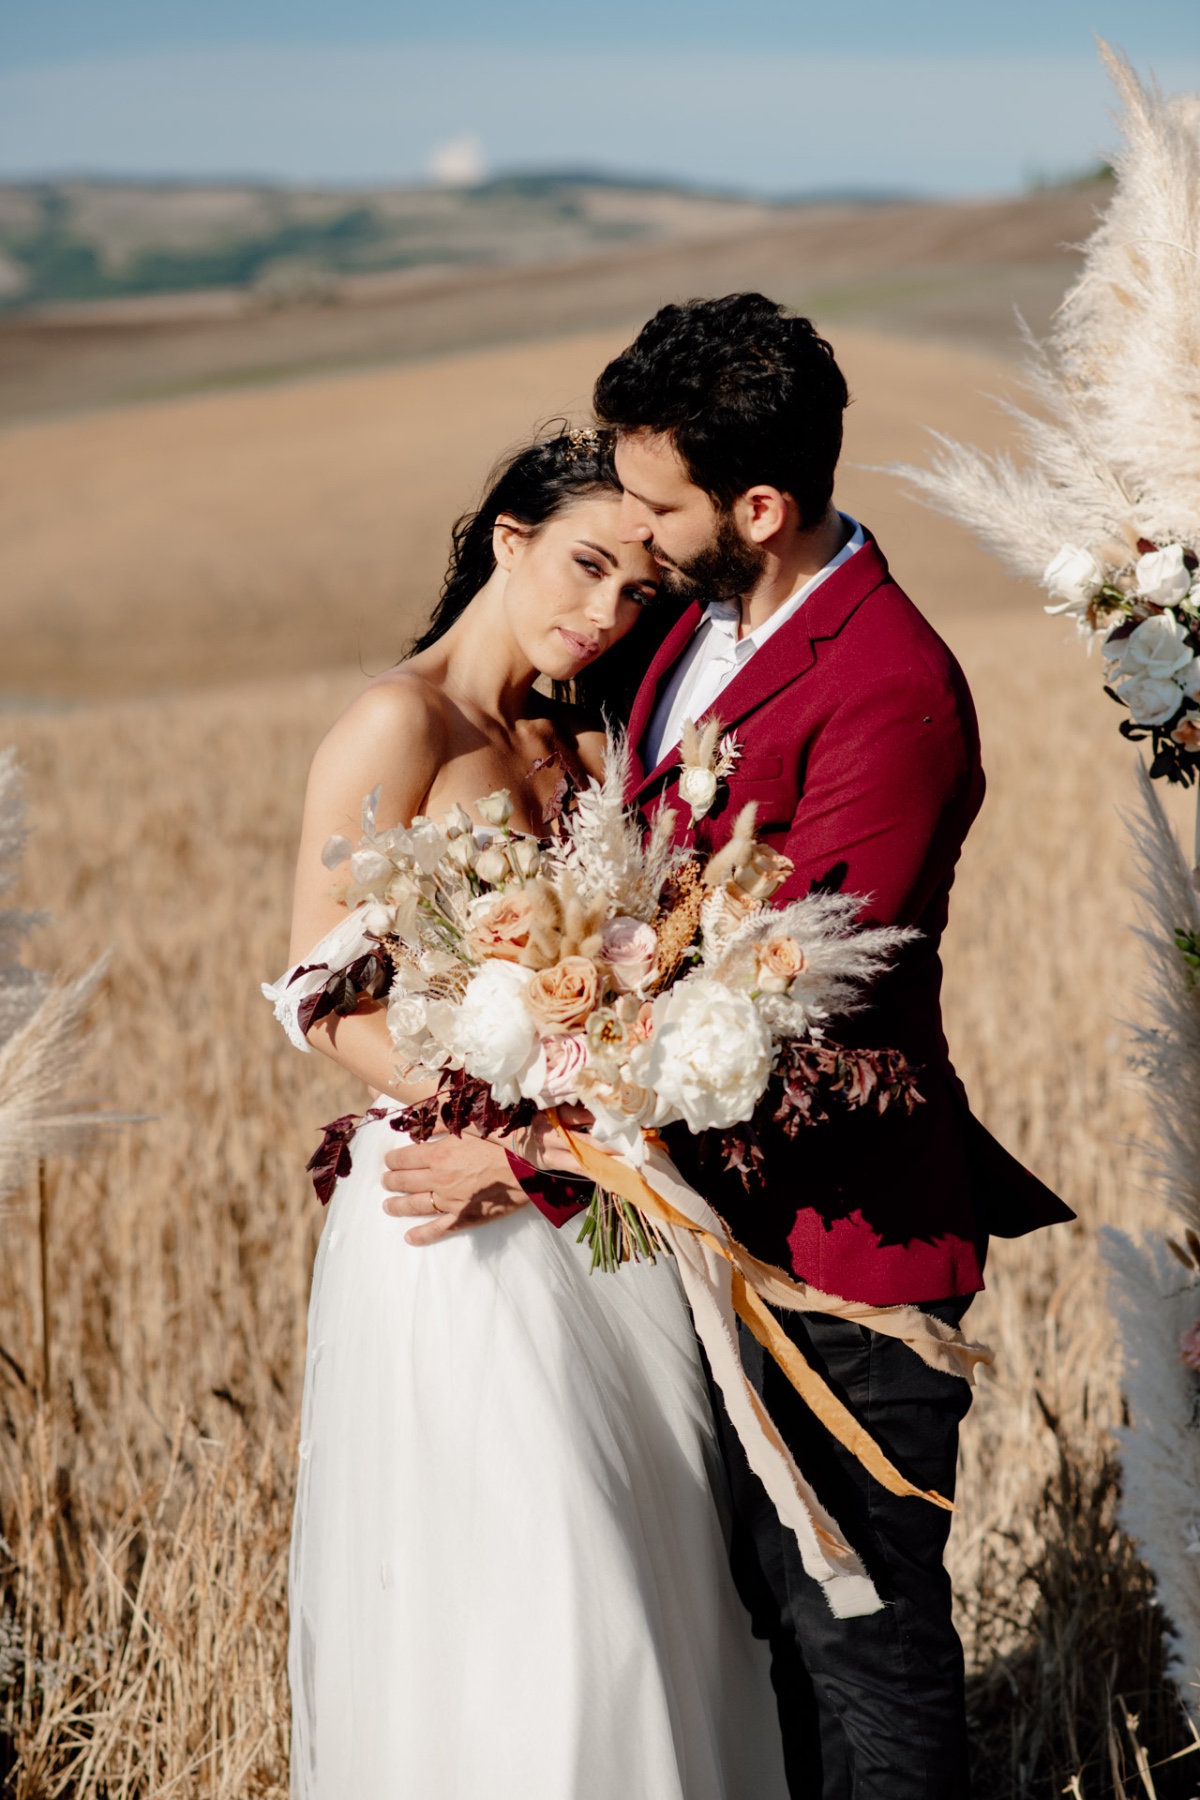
(887, 636)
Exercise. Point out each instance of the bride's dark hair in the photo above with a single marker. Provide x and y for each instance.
(533, 485)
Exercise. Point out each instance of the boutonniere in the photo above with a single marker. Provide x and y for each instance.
(707, 759)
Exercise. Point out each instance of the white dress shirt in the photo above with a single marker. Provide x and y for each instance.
(716, 654)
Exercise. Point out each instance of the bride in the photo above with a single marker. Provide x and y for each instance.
(509, 1577)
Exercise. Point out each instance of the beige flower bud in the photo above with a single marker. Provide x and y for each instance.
(525, 854)
(496, 808)
(492, 865)
(462, 851)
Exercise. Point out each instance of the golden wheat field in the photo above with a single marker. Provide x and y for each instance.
(145, 1487)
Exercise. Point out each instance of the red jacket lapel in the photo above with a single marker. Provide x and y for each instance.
(783, 659)
(792, 650)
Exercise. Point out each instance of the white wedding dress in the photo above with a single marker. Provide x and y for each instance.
(509, 1577)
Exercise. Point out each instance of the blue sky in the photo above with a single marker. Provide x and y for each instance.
(944, 96)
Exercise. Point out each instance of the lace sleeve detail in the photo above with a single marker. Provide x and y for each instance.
(338, 948)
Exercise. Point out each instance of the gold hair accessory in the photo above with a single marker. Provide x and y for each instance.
(583, 441)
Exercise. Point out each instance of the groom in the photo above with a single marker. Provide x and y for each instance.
(859, 747)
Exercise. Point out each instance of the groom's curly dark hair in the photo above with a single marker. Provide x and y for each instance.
(748, 391)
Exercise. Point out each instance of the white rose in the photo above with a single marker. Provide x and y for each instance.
(1151, 699)
(1072, 578)
(1189, 679)
(619, 1111)
(1162, 575)
(699, 788)
(406, 1023)
(1155, 648)
(710, 1055)
(493, 1033)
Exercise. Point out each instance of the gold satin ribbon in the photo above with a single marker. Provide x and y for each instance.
(617, 1176)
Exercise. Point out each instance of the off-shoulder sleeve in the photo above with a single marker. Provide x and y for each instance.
(351, 937)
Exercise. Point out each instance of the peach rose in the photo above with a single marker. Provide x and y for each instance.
(763, 871)
(629, 948)
(1187, 732)
(503, 931)
(560, 998)
(780, 960)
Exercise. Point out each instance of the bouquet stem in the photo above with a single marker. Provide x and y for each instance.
(617, 1233)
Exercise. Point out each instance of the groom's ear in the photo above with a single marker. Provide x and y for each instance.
(762, 511)
(508, 534)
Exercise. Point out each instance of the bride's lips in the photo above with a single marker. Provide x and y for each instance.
(583, 649)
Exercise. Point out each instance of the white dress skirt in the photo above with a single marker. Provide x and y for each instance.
(509, 1577)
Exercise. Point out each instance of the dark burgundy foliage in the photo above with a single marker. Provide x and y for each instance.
(368, 977)
(812, 1082)
(462, 1103)
(330, 1162)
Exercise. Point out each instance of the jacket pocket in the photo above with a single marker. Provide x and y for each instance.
(758, 768)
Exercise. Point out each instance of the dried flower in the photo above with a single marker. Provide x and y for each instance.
(1189, 1346)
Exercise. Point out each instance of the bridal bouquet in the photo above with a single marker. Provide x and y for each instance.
(606, 968)
(652, 984)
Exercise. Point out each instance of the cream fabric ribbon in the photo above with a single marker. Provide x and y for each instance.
(724, 1282)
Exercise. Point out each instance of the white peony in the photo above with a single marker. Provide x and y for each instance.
(1073, 577)
(710, 1055)
(1162, 575)
(699, 788)
(493, 1032)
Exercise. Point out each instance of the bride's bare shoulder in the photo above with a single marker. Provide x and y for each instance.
(393, 732)
(400, 708)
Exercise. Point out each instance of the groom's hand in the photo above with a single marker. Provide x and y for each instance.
(451, 1183)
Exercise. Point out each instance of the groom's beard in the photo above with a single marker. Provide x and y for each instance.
(725, 569)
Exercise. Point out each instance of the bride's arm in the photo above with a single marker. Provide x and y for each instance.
(391, 737)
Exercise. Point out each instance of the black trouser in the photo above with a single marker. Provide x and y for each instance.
(871, 1708)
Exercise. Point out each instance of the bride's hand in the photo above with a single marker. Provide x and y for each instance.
(451, 1183)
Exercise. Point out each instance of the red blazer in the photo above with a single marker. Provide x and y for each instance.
(860, 746)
